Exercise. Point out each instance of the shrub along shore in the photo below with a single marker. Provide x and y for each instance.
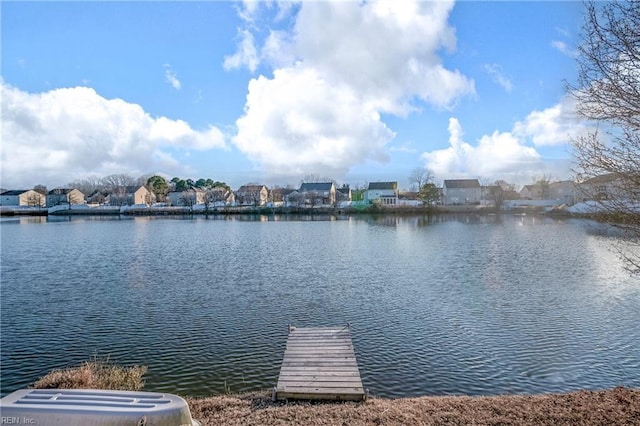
(618, 406)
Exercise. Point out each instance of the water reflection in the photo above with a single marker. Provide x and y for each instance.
(449, 304)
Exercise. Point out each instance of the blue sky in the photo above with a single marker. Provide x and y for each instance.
(272, 92)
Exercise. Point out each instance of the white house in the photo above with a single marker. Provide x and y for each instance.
(385, 193)
(531, 192)
(564, 192)
(603, 187)
(461, 191)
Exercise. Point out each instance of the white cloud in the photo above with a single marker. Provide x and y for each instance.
(564, 48)
(65, 134)
(497, 75)
(314, 127)
(385, 50)
(246, 55)
(510, 155)
(556, 125)
(499, 155)
(278, 49)
(341, 67)
(171, 77)
(248, 9)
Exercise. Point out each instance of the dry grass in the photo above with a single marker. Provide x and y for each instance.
(619, 406)
(94, 374)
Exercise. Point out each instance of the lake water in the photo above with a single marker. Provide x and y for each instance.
(475, 305)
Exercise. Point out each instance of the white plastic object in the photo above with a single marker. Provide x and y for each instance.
(94, 407)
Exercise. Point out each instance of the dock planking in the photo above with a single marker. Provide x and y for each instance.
(319, 363)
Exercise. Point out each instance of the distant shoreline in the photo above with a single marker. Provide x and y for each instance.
(293, 211)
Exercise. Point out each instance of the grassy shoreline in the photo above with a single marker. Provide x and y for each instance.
(605, 407)
(617, 406)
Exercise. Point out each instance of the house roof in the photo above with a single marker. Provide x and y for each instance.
(15, 192)
(104, 193)
(316, 186)
(251, 188)
(218, 189)
(461, 183)
(133, 188)
(60, 191)
(562, 183)
(609, 177)
(287, 191)
(383, 185)
(408, 195)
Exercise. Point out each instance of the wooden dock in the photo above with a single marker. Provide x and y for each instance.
(319, 363)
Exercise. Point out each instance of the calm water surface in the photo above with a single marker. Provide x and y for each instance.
(442, 305)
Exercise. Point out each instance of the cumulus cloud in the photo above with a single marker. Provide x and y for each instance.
(496, 155)
(328, 129)
(171, 77)
(511, 155)
(64, 134)
(338, 69)
(556, 125)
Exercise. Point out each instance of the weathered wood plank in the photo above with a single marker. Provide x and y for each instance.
(328, 356)
(330, 349)
(326, 360)
(320, 384)
(330, 369)
(342, 376)
(307, 340)
(310, 329)
(319, 363)
(331, 390)
(318, 380)
(314, 364)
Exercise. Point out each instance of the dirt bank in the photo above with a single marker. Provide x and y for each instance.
(619, 406)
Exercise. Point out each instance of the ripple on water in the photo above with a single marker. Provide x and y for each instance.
(448, 308)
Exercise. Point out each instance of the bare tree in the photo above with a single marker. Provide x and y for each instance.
(495, 193)
(35, 199)
(296, 198)
(418, 177)
(313, 198)
(189, 199)
(117, 180)
(88, 185)
(542, 185)
(315, 178)
(41, 189)
(275, 194)
(119, 197)
(500, 191)
(608, 93)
